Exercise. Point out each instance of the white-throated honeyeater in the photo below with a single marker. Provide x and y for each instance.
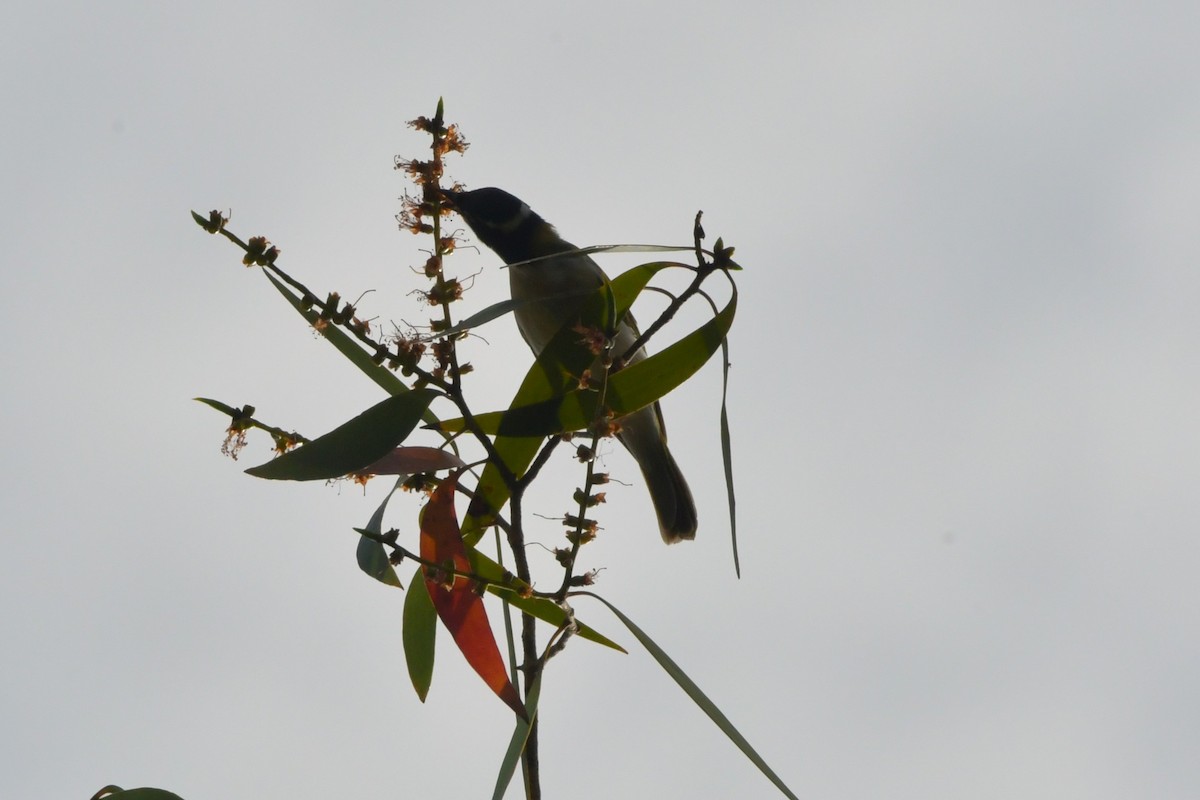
(517, 234)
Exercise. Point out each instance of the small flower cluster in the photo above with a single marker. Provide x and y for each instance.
(260, 252)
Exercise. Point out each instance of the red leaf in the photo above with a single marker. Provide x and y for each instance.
(411, 460)
(458, 605)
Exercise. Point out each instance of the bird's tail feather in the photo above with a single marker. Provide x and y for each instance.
(642, 433)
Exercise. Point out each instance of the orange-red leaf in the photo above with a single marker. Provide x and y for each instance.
(458, 604)
(413, 459)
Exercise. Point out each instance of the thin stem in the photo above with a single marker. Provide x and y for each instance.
(531, 665)
(543, 456)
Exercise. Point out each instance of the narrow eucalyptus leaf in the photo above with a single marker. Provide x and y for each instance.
(698, 697)
(516, 744)
(419, 634)
(352, 445)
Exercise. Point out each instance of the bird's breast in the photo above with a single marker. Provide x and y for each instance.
(551, 293)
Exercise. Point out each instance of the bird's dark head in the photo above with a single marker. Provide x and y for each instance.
(505, 224)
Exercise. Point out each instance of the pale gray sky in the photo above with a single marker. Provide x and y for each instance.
(964, 404)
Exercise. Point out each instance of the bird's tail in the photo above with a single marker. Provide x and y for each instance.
(644, 436)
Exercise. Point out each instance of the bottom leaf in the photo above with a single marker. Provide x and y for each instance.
(419, 635)
(698, 697)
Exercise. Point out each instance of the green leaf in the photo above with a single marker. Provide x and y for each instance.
(698, 697)
(347, 346)
(481, 318)
(629, 284)
(543, 608)
(520, 735)
(219, 406)
(639, 248)
(351, 349)
(727, 457)
(497, 310)
(372, 559)
(634, 387)
(419, 634)
(373, 556)
(549, 611)
(491, 493)
(353, 445)
(726, 445)
(144, 793)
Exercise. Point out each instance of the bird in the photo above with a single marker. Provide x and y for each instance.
(511, 229)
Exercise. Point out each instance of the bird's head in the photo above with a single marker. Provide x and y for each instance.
(505, 224)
